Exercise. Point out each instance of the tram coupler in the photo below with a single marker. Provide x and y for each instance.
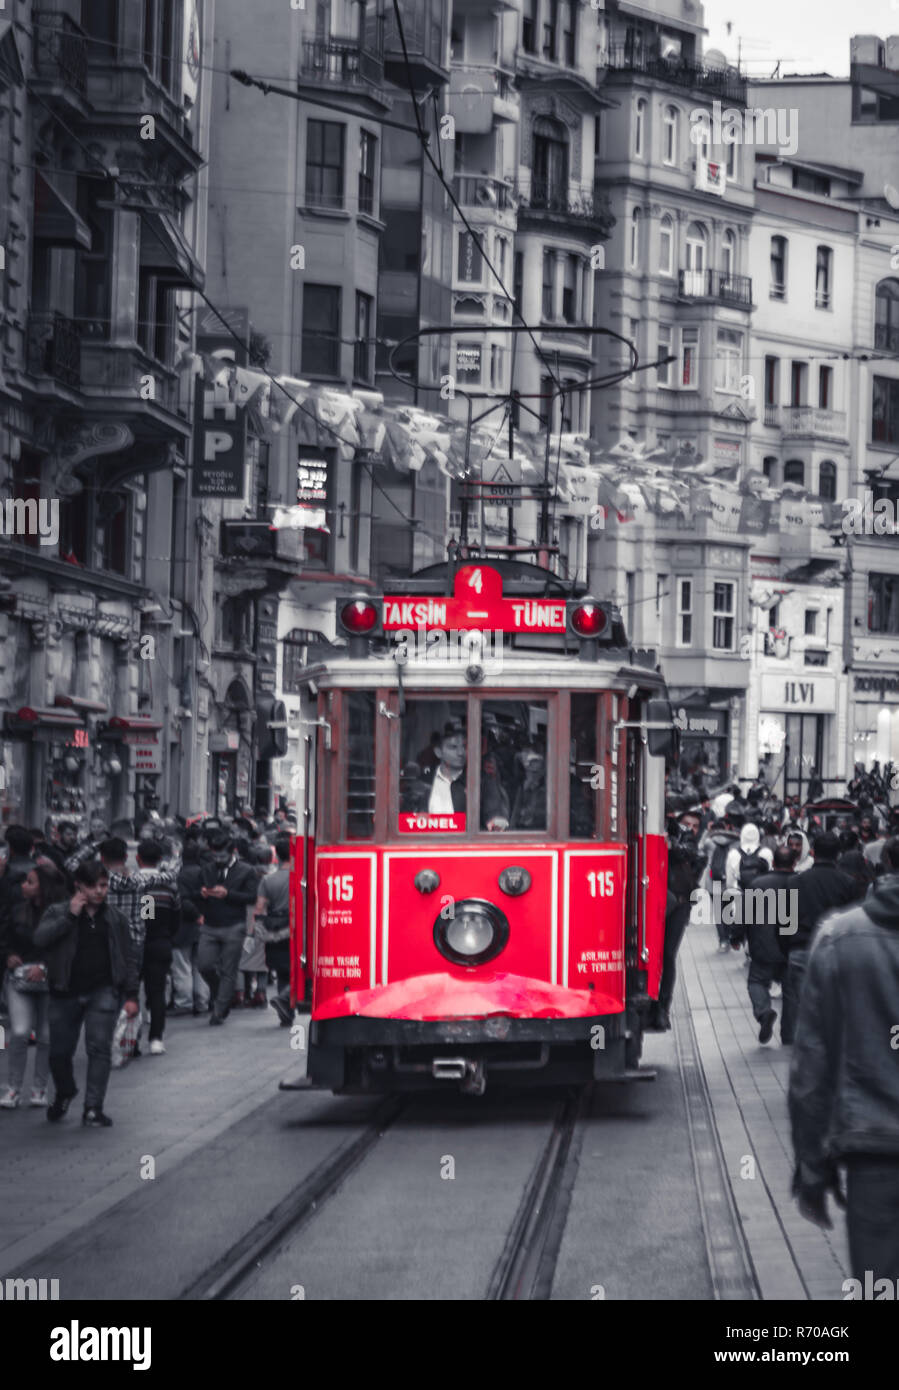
(470, 1073)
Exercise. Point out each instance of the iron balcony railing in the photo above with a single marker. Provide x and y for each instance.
(54, 348)
(481, 191)
(556, 200)
(343, 61)
(772, 415)
(60, 50)
(715, 82)
(715, 284)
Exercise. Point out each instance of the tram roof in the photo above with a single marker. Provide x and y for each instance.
(532, 670)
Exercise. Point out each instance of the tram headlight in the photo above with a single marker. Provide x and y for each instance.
(471, 932)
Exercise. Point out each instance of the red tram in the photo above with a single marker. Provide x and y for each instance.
(482, 840)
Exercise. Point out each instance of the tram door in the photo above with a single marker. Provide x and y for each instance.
(647, 865)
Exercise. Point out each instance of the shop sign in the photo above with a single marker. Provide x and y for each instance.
(478, 603)
(219, 426)
(312, 474)
(877, 687)
(711, 723)
(795, 694)
(224, 743)
(146, 754)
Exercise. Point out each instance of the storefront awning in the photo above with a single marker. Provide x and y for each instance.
(30, 717)
(164, 250)
(82, 706)
(128, 724)
(55, 220)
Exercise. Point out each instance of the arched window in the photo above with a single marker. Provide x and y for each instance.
(695, 245)
(669, 135)
(794, 472)
(666, 245)
(886, 316)
(769, 468)
(635, 238)
(550, 179)
(640, 128)
(827, 481)
(729, 257)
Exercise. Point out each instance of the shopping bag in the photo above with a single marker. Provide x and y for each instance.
(125, 1038)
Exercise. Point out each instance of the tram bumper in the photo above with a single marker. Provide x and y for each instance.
(434, 1030)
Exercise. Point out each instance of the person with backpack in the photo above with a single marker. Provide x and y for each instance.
(746, 860)
(766, 932)
(720, 843)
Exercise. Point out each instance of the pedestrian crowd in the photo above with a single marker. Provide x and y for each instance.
(200, 925)
(811, 894)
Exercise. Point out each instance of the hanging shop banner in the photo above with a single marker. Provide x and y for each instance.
(312, 475)
(220, 426)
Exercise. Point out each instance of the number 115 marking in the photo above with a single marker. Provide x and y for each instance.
(604, 882)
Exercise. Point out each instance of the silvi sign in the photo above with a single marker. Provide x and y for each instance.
(799, 693)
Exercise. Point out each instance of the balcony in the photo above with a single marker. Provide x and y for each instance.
(111, 375)
(811, 422)
(717, 285)
(54, 349)
(425, 35)
(342, 63)
(480, 191)
(679, 402)
(480, 96)
(541, 201)
(60, 58)
(712, 82)
(122, 94)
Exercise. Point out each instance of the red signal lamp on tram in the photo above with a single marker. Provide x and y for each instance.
(358, 619)
(588, 618)
(595, 623)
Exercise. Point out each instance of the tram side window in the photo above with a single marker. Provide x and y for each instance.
(513, 764)
(584, 770)
(361, 787)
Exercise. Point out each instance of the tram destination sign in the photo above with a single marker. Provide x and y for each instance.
(477, 602)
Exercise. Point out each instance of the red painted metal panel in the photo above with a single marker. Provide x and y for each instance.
(656, 899)
(593, 902)
(345, 898)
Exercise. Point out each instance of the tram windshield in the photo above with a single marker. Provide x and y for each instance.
(510, 766)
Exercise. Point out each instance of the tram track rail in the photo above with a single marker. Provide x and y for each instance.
(242, 1260)
(525, 1268)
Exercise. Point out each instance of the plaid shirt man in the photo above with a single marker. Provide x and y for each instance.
(127, 890)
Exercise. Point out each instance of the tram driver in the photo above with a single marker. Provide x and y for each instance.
(440, 789)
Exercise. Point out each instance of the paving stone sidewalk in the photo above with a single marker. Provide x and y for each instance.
(57, 1177)
(748, 1084)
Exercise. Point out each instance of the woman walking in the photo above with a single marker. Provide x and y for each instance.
(29, 999)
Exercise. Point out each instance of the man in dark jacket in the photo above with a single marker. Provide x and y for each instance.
(228, 889)
(844, 1077)
(162, 925)
(440, 790)
(190, 989)
(273, 906)
(684, 868)
(819, 890)
(90, 968)
(767, 918)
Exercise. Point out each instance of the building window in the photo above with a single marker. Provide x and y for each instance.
(723, 617)
(635, 239)
(93, 268)
(568, 404)
(362, 348)
(549, 264)
(798, 374)
(529, 23)
(321, 330)
(778, 289)
(728, 360)
(772, 379)
(774, 615)
(468, 363)
(663, 372)
(324, 164)
(639, 127)
(547, 401)
(769, 468)
(823, 263)
(825, 387)
(570, 306)
(827, 481)
(883, 603)
(729, 255)
(496, 367)
(732, 162)
(811, 622)
(689, 374)
(684, 632)
(550, 177)
(517, 279)
(155, 317)
(666, 246)
(794, 472)
(501, 246)
(160, 56)
(695, 259)
(550, 29)
(569, 32)
(470, 260)
(886, 316)
(669, 135)
(367, 152)
(885, 410)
